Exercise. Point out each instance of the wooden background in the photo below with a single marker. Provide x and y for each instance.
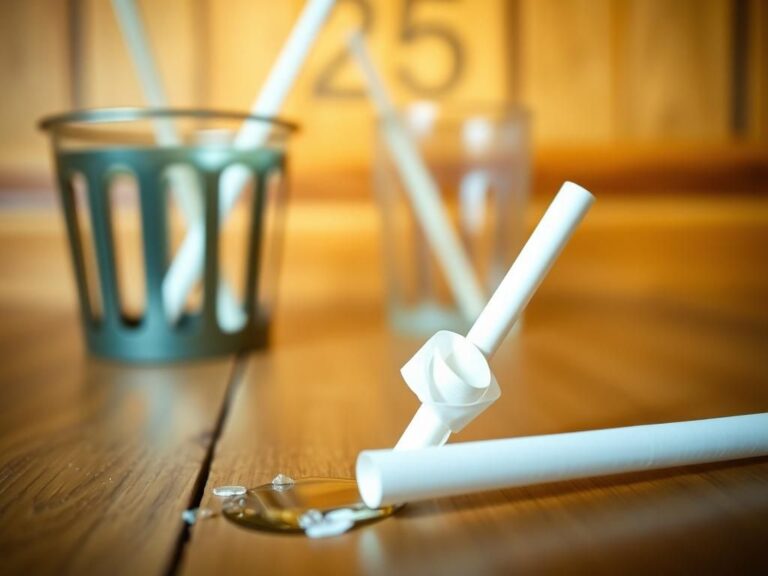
(595, 73)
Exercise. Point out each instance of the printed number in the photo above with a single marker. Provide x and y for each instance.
(412, 32)
(326, 85)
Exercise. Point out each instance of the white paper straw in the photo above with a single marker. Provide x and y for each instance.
(441, 414)
(453, 381)
(531, 266)
(473, 192)
(284, 71)
(135, 38)
(422, 190)
(184, 184)
(278, 84)
(421, 116)
(183, 274)
(425, 429)
(477, 136)
(392, 477)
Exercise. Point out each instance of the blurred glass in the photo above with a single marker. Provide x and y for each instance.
(479, 157)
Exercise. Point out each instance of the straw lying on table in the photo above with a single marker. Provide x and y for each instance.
(422, 190)
(391, 477)
(187, 267)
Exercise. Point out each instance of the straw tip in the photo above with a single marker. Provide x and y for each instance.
(368, 480)
(577, 192)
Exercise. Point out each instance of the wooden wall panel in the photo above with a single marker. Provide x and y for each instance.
(567, 68)
(337, 129)
(246, 36)
(758, 70)
(674, 69)
(243, 37)
(336, 117)
(480, 30)
(109, 78)
(593, 72)
(34, 69)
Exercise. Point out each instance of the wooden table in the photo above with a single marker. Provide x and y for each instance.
(657, 311)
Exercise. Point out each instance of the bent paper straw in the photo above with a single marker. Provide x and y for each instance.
(454, 383)
(421, 189)
(183, 274)
(392, 477)
(531, 266)
(472, 386)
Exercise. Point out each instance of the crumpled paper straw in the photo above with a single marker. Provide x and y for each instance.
(450, 373)
(454, 383)
(387, 477)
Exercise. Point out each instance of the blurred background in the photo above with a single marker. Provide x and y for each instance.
(647, 95)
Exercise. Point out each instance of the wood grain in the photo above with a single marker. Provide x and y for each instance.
(758, 70)
(246, 36)
(673, 72)
(655, 312)
(567, 69)
(97, 459)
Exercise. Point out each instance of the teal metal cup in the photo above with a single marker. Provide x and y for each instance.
(179, 192)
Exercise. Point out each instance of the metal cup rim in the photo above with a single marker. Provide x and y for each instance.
(57, 122)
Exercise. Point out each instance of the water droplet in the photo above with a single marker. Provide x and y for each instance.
(229, 491)
(282, 482)
(192, 515)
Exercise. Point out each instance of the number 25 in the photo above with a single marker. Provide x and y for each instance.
(411, 32)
